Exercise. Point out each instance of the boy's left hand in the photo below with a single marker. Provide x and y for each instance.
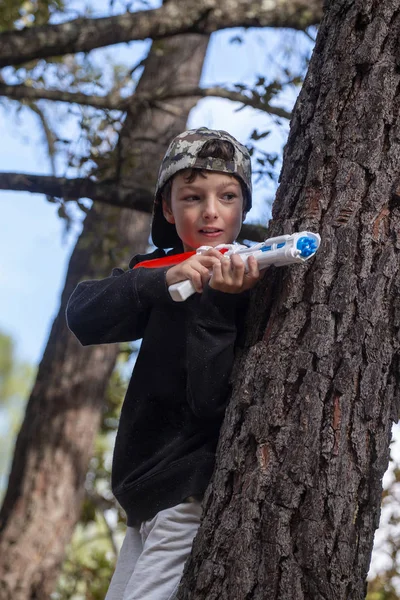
(229, 275)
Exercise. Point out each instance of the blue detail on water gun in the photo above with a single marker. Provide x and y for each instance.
(307, 246)
(266, 248)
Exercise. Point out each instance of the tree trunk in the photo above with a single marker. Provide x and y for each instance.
(295, 499)
(46, 486)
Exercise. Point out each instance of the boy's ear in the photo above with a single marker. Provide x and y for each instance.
(244, 215)
(167, 212)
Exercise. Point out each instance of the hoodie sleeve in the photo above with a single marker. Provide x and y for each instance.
(117, 308)
(211, 339)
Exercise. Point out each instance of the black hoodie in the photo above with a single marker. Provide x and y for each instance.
(177, 395)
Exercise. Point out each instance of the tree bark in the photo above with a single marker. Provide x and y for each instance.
(291, 511)
(204, 17)
(55, 443)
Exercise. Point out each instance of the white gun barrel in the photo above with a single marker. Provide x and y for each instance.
(279, 251)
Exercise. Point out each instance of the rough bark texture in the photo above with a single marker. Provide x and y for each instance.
(295, 499)
(54, 446)
(200, 16)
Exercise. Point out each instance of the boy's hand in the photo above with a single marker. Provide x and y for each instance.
(198, 269)
(229, 275)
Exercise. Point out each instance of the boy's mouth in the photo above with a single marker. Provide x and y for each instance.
(211, 231)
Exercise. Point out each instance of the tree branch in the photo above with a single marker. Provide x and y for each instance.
(49, 135)
(115, 102)
(220, 92)
(25, 92)
(73, 189)
(198, 16)
(105, 192)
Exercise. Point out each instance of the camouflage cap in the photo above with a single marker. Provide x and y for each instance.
(182, 154)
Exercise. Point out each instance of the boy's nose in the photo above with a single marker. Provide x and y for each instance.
(210, 209)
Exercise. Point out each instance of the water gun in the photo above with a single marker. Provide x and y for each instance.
(279, 251)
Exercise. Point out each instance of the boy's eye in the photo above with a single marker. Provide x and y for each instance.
(229, 196)
(191, 198)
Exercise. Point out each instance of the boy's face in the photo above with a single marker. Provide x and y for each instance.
(206, 212)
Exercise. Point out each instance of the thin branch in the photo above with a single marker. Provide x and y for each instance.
(50, 138)
(115, 102)
(110, 193)
(310, 37)
(198, 16)
(220, 92)
(139, 64)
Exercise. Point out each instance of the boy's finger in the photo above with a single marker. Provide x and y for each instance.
(203, 271)
(217, 276)
(213, 253)
(226, 267)
(208, 261)
(237, 270)
(196, 280)
(217, 268)
(253, 269)
(205, 275)
(210, 252)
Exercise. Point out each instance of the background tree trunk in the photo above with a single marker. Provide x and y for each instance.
(54, 446)
(291, 511)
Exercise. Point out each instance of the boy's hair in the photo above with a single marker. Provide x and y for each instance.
(195, 151)
(212, 149)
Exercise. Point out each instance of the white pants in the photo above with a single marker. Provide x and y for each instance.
(152, 557)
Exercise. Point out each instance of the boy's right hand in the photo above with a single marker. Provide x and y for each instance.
(197, 268)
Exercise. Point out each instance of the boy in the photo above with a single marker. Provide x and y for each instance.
(170, 420)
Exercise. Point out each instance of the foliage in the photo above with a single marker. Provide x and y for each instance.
(6, 365)
(16, 14)
(15, 381)
(381, 588)
(15, 376)
(88, 569)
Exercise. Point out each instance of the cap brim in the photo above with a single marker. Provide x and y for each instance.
(163, 234)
